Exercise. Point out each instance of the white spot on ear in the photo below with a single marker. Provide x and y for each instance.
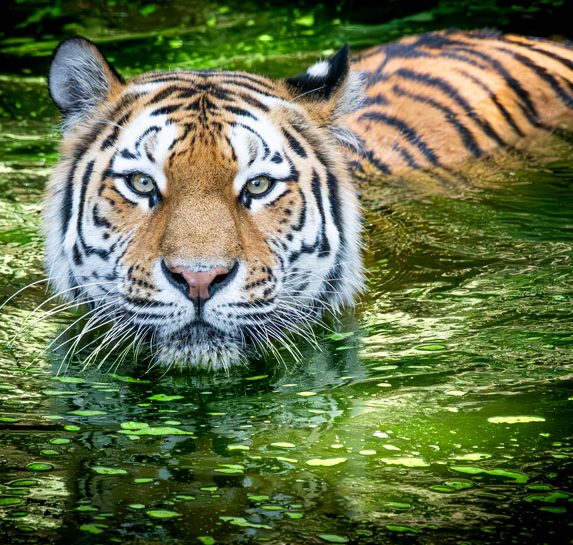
(319, 70)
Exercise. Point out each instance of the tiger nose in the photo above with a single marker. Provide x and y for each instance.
(200, 286)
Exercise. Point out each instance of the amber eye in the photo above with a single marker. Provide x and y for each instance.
(258, 186)
(142, 183)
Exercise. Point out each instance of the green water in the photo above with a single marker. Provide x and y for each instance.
(438, 412)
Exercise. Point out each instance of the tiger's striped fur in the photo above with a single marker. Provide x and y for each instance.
(202, 137)
(439, 99)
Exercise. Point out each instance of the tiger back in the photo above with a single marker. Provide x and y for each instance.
(439, 99)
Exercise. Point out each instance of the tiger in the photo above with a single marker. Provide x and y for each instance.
(212, 214)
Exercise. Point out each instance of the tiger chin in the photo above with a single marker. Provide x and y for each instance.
(208, 213)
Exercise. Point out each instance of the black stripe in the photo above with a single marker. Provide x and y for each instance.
(302, 216)
(126, 154)
(502, 109)
(411, 134)
(324, 246)
(266, 149)
(239, 111)
(406, 155)
(253, 102)
(165, 93)
(526, 106)
(166, 109)
(99, 220)
(542, 74)
(294, 144)
(277, 158)
(566, 62)
(452, 92)
(79, 224)
(144, 134)
(379, 164)
(335, 205)
(466, 136)
(378, 100)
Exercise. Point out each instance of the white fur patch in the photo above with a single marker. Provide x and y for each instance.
(319, 70)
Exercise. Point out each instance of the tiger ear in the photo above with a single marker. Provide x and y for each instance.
(79, 79)
(330, 83)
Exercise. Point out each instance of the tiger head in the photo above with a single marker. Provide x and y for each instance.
(211, 212)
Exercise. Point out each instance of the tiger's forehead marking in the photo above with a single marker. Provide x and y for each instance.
(183, 111)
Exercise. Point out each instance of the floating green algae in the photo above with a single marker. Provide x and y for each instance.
(283, 444)
(184, 497)
(164, 397)
(406, 461)
(69, 380)
(23, 483)
(39, 466)
(244, 523)
(230, 469)
(18, 492)
(60, 441)
(459, 485)
(255, 497)
(238, 447)
(519, 478)
(143, 480)
(9, 419)
(398, 505)
(163, 514)
(55, 393)
(206, 540)
(131, 380)
(257, 377)
(134, 425)
(156, 430)
(72, 427)
(295, 516)
(103, 470)
(539, 487)
(87, 413)
(94, 528)
(325, 462)
(8, 501)
(431, 347)
(514, 419)
(400, 529)
(86, 509)
(333, 538)
(550, 497)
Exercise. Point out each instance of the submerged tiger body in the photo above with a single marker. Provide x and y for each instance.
(210, 213)
(439, 99)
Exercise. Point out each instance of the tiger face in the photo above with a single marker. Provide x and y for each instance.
(208, 212)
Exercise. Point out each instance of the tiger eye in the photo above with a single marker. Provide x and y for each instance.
(142, 183)
(258, 186)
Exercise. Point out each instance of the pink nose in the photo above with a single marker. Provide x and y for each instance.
(200, 284)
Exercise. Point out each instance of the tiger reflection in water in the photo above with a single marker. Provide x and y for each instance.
(211, 213)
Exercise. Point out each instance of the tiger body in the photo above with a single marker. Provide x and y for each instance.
(438, 99)
(213, 212)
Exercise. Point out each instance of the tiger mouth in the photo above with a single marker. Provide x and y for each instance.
(200, 344)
